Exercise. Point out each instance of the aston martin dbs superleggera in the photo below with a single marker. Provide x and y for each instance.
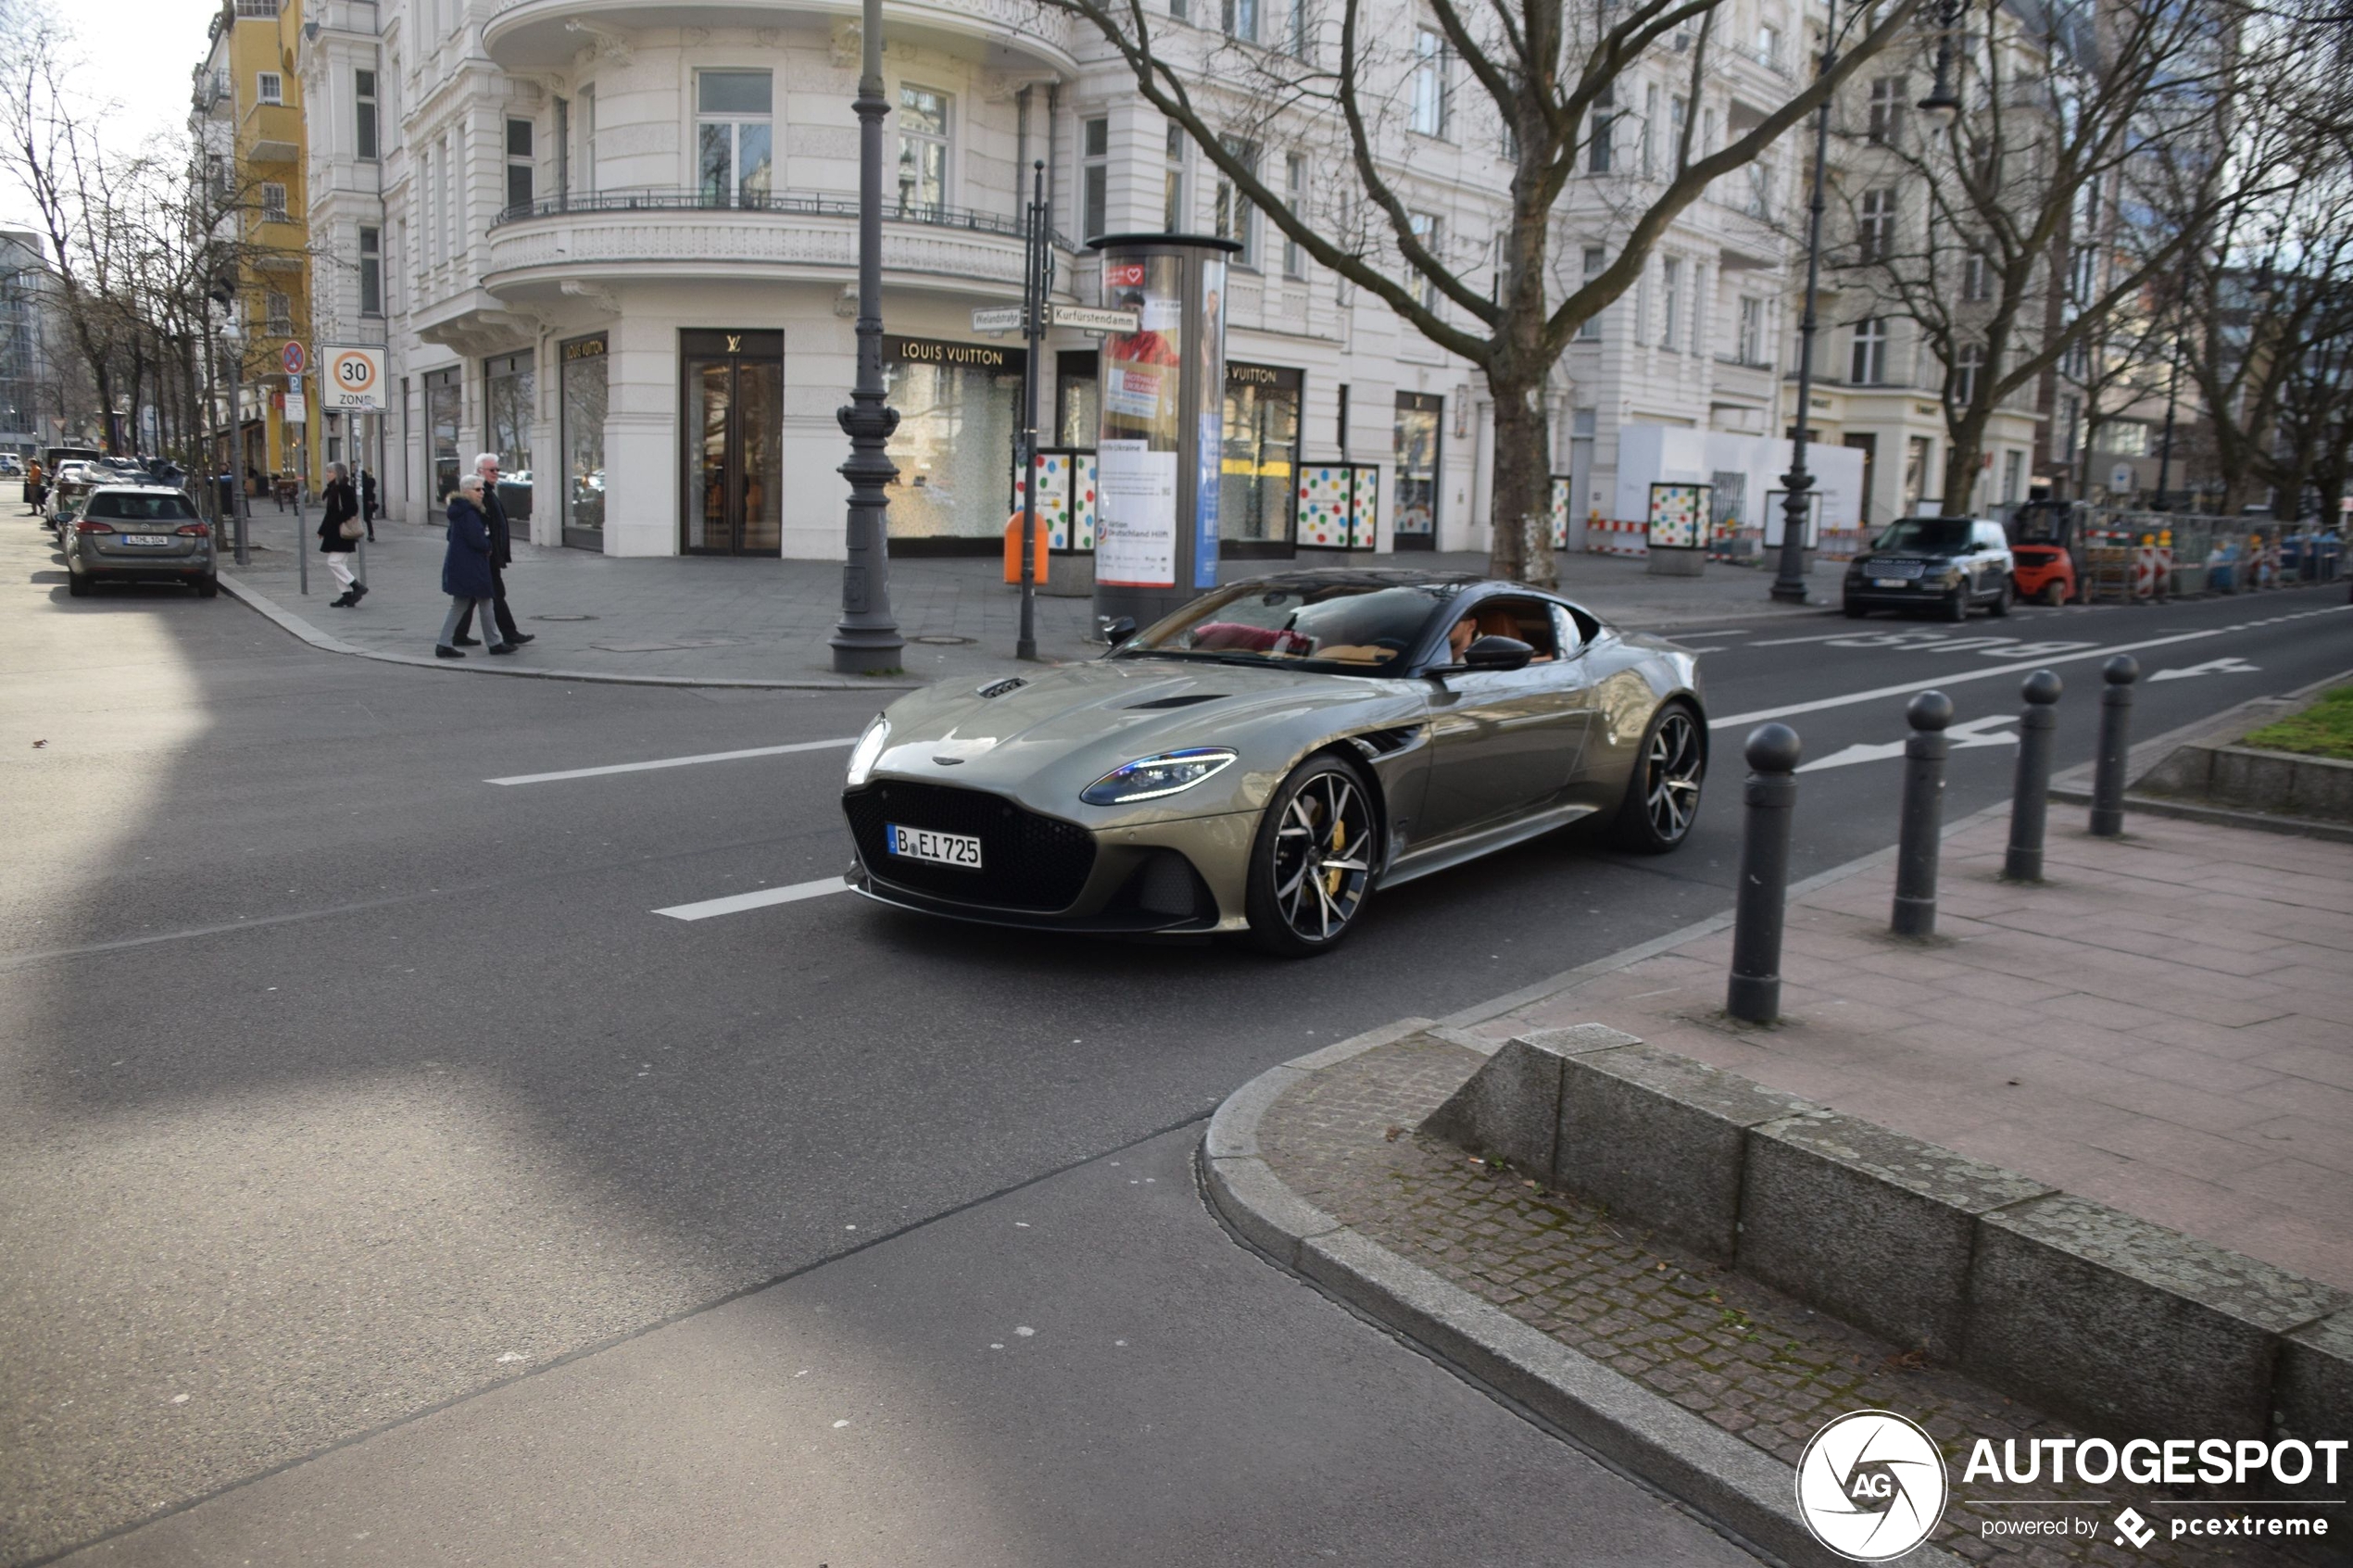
(1269, 757)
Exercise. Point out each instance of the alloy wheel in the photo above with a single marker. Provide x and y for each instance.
(1671, 768)
(1323, 856)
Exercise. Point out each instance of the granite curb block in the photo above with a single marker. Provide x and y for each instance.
(289, 621)
(1739, 1487)
(2061, 1302)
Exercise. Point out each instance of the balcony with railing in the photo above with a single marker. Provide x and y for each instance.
(652, 231)
(530, 36)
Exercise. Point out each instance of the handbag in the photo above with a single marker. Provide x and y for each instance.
(352, 528)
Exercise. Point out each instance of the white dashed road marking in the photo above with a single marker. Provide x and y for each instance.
(758, 898)
(675, 761)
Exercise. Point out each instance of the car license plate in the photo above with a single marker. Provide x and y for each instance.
(1891, 582)
(147, 539)
(961, 850)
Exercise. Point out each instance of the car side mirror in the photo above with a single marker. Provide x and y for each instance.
(1118, 629)
(1493, 652)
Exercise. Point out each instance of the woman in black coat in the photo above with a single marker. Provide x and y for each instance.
(465, 570)
(340, 506)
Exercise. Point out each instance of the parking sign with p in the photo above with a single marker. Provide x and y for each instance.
(353, 377)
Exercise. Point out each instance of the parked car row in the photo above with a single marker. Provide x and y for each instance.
(1948, 565)
(116, 521)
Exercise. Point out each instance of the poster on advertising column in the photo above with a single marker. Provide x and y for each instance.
(1134, 515)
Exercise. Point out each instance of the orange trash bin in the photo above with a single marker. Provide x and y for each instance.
(1013, 549)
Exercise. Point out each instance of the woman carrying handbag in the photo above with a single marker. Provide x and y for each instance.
(339, 530)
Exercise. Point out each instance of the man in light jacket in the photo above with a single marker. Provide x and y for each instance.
(501, 556)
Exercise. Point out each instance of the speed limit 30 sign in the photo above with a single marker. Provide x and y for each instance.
(352, 378)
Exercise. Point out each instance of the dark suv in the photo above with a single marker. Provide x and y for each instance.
(138, 534)
(1946, 564)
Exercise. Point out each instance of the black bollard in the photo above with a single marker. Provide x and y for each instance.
(1771, 794)
(2116, 745)
(2031, 794)
(1921, 833)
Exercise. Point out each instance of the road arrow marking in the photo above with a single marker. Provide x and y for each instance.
(1977, 732)
(2211, 666)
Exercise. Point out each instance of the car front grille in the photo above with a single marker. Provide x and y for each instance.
(1910, 568)
(1028, 862)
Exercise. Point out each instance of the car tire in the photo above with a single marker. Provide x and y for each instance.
(2001, 605)
(1955, 605)
(1854, 611)
(1663, 793)
(77, 584)
(1296, 909)
(2055, 593)
(208, 587)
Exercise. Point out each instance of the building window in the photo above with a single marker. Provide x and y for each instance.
(363, 88)
(1094, 177)
(1241, 20)
(1875, 226)
(1295, 190)
(1760, 189)
(1177, 10)
(2013, 476)
(1886, 123)
(2070, 422)
(1670, 280)
(1750, 347)
(588, 137)
(923, 149)
(1429, 83)
(277, 311)
(1649, 129)
(1428, 232)
(1604, 121)
(1977, 279)
(2126, 438)
(1769, 45)
(1298, 43)
(1235, 219)
(1590, 330)
(520, 139)
(580, 439)
(734, 153)
(1173, 215)
(273, 202)
(1868, 366)
(450, 225)
(1679, 112)
(1966, 366)
(372, 272)
(270, 87)
(222, 181)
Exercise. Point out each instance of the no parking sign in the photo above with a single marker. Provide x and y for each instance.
(352, 377)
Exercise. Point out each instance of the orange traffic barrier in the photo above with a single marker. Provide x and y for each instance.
(1013, 550)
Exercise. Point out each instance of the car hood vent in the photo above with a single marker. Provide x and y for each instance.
(999, 688)
(1183, 700)
(1380, 743)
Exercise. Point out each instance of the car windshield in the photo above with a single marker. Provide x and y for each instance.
(1935, 534)
(1357, 626)
(141, 508)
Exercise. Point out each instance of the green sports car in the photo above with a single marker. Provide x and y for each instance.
(1268, 756)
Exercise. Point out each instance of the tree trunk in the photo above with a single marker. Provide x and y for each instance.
(1521, 546)
(1964, 455)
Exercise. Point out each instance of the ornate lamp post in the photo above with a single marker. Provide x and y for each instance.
(866, 638)
(1789, 581)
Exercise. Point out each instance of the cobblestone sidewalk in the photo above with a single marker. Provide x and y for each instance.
(745, 620)
(2164, 1025)
(1750, 1361)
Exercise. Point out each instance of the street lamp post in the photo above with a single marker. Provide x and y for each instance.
(1033, 296)
(2165, 452)
(1789, 582)
(233, 341)
(866, 639)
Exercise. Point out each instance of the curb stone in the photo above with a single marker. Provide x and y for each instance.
(1738, 1488)
(287, 620)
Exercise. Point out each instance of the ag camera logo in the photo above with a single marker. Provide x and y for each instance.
(1871, 1486)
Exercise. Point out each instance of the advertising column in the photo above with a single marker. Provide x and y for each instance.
(1160, 429)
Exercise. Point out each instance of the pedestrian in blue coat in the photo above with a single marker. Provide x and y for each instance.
(465, 570)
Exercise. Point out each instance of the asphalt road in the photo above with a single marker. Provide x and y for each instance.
(354, 1100)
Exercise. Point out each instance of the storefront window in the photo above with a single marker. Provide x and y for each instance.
(583, 378)
(1078, 402)
(959, 409)
(1261, 454)
(445, 411)
(511, 393)
(1415, 450)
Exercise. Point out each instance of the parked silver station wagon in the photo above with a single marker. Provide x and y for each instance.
(138, 534)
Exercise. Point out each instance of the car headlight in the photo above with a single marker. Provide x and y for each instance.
(863, 756)
(1148, 778)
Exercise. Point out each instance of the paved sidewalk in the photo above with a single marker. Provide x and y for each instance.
(2165, 1025)
(766, 623)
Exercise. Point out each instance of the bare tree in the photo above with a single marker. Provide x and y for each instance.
(1547, 74)
(2012, 234)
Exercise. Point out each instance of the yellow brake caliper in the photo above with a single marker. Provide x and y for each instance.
(1339, 845)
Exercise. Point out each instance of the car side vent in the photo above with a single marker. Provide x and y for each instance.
(1380, 743)
(999, 688)
(1183, 701)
